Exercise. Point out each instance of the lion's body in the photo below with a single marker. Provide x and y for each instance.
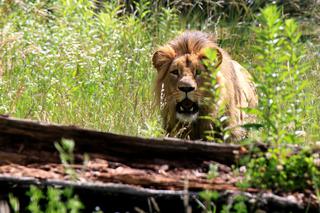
(178, 87)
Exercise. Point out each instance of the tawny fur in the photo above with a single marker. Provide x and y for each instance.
(184, 53)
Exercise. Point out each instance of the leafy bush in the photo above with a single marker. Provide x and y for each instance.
(280, 170)
(281, 76)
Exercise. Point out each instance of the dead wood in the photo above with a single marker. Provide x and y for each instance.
(170, 180)
(16, 134)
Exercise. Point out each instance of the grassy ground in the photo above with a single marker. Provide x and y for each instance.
(64, 63)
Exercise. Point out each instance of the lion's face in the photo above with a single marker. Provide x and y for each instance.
(183, 81)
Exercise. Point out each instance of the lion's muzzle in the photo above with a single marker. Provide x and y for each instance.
(187, 110)
(187, 107)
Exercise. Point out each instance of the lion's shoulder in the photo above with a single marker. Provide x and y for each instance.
(246, 84)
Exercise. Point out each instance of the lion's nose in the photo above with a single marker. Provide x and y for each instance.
(186, 89)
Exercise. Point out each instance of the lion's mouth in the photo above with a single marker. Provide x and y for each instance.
(187, 107)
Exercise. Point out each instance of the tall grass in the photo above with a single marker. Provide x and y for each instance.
(67, 62)
(64, 63)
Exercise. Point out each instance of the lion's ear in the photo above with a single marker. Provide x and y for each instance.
(163, 57)
(208, 52)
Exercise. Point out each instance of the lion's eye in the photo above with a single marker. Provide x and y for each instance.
(175, 72)
(198, 72)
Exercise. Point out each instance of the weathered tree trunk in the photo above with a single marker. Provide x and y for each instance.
(23, 134)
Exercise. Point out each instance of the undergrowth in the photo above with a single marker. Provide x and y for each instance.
(281, 77)
(281, 67)
(50, 200)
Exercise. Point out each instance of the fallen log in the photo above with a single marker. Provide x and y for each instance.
(24, 134)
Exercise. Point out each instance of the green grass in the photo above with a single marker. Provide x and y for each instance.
(72, 66)
(67, 64)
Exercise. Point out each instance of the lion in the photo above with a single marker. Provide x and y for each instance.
(179, 80)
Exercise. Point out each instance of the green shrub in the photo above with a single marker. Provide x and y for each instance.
(281, 75)
(281, 78)
(280, 170)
